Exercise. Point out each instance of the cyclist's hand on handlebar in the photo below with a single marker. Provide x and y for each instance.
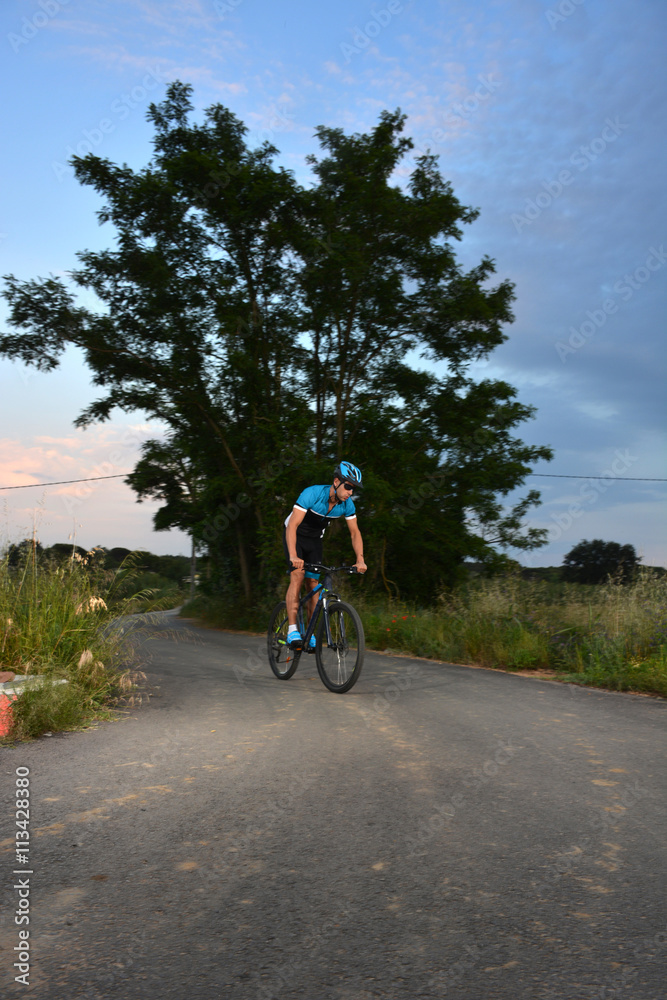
(360, 566)
(297, 564)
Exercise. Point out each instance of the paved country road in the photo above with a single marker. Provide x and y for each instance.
(439, 831)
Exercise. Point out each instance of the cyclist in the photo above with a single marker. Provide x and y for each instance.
(304, 530)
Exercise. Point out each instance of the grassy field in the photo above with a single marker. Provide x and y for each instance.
(69, 621)
(612, 636)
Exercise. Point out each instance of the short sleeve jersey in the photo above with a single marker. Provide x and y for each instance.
(314, 500)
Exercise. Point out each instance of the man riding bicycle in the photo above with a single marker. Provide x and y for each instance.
(304, 530)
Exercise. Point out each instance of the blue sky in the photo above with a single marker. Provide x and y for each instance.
(547, 116)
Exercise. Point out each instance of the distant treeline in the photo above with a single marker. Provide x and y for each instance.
(588, 563)
(551, 574)
(175, 568)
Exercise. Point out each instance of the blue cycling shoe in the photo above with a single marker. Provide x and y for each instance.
(312, 644)
(294, 640)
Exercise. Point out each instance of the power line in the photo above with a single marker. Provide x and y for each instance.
(121, 475)
(623, 479)
(64, 482)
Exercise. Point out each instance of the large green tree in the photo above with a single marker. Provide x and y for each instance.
(596, 561)
(277, 328)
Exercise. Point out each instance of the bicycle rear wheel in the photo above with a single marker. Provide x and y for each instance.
(340, 663)
(283, 660)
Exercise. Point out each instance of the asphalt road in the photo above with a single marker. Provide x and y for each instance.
(439, 831)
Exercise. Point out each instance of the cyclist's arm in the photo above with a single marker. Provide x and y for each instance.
(296, 517)
(357, 544)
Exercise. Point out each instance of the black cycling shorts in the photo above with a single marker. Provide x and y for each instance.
(307, 548)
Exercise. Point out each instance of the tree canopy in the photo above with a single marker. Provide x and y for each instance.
(275, 328)
(596, 561)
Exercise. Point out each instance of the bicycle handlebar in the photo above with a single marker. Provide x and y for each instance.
(317, 568)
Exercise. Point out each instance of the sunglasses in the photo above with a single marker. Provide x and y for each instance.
(349, 486)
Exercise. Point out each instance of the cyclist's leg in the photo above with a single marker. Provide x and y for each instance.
(295, 582)
(292, 596)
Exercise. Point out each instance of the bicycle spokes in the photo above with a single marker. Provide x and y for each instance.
(283, 659)
(340, 649)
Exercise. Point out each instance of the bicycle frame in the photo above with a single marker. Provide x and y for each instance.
(325, 595)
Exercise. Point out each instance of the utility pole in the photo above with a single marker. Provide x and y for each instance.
(193, 568)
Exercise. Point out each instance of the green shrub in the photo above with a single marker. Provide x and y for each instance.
(56, 623)
(611, 635)
(52, 708)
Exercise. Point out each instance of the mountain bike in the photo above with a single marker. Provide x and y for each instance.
(339, 635)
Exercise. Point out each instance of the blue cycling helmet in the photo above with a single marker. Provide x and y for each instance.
(348, 473)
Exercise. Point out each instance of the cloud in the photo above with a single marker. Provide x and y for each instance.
(98, 511)
(98, 451)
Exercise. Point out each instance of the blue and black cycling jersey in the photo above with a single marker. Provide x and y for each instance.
(314, 500)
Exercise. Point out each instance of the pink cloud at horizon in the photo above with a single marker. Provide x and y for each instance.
(99, 511)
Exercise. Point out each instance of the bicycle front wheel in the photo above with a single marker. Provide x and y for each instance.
(339, 662)
(283, 660)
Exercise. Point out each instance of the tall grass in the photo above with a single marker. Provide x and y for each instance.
(611, 635)
(64, 621)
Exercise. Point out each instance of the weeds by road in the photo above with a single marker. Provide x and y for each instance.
(68, 621)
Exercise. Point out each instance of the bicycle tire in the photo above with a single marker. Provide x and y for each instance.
(339, 666)
(283, 660)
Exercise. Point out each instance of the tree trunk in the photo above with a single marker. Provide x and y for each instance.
(193, 568)
(243, 564)
(385, 579)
